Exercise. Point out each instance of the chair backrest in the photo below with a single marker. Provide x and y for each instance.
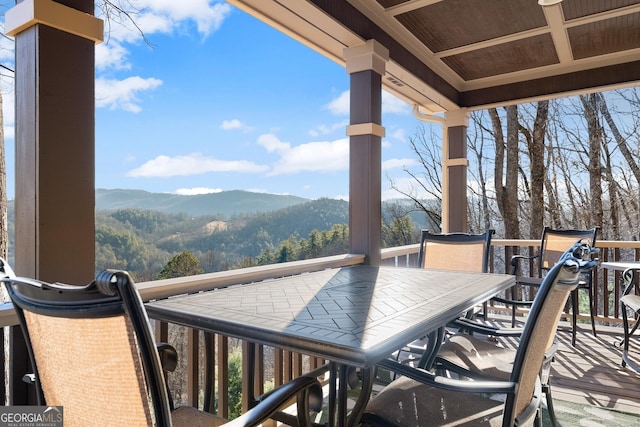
(555, 242)
(91, 350)
(455, 251)
(540, 328)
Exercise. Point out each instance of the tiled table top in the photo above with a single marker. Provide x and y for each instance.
(355, 315)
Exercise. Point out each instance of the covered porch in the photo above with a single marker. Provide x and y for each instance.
(588, 374)
(546, 54)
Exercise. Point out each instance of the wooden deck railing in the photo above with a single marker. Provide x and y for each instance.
(277, 366)
(607, 286)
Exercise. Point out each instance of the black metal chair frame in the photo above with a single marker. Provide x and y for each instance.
(629, 301)
(534, 282)
(429, 352)
(572, 263)
(458, 239)
(113, 293)
(473, 327)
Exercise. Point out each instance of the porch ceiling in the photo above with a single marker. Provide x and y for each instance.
(450, 54)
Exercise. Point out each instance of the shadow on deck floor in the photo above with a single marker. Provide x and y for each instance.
(591, 372)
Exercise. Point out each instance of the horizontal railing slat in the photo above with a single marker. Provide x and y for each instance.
(165, 288)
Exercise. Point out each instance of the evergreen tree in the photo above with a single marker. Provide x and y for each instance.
(183, 264)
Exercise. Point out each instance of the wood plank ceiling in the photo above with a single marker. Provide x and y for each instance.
(449, 54)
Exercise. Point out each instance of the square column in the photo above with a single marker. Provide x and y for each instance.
(366, 65)
(454, 172)
(55, 128)
(55, 137)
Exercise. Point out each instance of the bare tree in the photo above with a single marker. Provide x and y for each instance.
(507, 159)
(428, 180)
(535, 144)
(590, 104)
(600, 103)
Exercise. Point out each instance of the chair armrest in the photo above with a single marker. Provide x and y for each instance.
(307, 388)
(512, 302)
(517, 258)
(481, 328)
(428, 378)
(168, 356)
(529, 281)
(631, 301)
(525, 281)
(515, 261)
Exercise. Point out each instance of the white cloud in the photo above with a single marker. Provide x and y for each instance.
(122, 94)
(398, 134)
(321, 156)
(393, 105)
(232, 124)
(324, 129)
(208, 15)
(390, 104)
(197, 190)
(272, 144)
(191, 164)
(112, 55)
(146, 18)
(340, 105)
(163, 16)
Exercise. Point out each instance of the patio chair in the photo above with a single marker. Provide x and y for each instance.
(456, 251)
(92, 352)
(629, 301)
(552, 246)
(450, 251)
(420, 397)
(484, 358)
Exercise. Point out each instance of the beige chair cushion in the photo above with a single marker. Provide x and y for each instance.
(479, 356)
(410, 403)
(454, 256)
(187, 416)
(98, 352)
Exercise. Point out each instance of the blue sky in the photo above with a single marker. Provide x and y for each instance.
(221, 101)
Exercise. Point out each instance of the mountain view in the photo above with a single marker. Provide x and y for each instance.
(225, 203)
(141, 232)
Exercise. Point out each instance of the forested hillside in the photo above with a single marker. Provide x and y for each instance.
(143, 241)
(225, 203)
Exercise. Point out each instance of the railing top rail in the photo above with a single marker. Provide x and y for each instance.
(165, 288)
(414, 248)
(634, 244)
(400, 251)
(158, 289)
(169, 287)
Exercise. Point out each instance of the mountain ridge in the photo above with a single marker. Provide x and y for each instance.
(224, 203)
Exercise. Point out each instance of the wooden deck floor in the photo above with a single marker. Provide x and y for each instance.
(591, 372)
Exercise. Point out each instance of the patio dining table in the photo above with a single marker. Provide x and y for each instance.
(351, 316)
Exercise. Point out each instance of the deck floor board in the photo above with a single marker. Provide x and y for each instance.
(591, 372)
